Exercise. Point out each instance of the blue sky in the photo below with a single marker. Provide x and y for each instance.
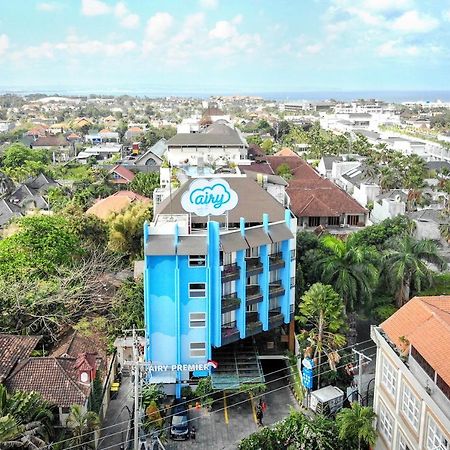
(226, 45)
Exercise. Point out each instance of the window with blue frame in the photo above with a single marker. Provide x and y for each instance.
(197, 260)
(197, 290)
(197, 320)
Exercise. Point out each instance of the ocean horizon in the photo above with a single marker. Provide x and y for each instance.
(309, 95)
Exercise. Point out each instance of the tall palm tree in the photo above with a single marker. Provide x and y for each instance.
(356, 424)
(25, 420)
(405, 265)
(349, 268)
(82, 426)
(322, 310)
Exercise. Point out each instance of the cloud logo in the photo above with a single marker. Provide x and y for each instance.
(209, 197)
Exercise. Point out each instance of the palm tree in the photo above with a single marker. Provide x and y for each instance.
(355, 424)
(322, 310)
(25, 420)
(349, 268)
(82, 426)
(405, 265)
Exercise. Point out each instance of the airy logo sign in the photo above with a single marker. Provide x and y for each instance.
(209, 197)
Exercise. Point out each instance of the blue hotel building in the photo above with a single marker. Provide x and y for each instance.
(219, 268)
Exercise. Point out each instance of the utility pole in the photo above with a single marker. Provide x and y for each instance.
(136, 389)
(361, 357)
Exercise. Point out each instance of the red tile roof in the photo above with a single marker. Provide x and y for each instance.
(14, 348)
(54, 378)
(425, 323)
(314, 196)
(123, 172)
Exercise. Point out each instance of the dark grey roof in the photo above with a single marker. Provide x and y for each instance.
(429, 215)
(217, 135)
(41, 182)
(438, 165)
(253, 202)
(232, 242)
(279, 232)
(392, 195)
(357, 175)
(329, 160)
(367, 133)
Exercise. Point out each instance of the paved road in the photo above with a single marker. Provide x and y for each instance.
(223, 428)
(117, 412)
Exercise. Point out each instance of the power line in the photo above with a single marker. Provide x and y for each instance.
(220, 409)
(237, 393)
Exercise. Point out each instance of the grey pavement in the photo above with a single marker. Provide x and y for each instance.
(117, 412)
(214, 432)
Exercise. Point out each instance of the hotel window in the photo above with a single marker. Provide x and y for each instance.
(292, 282)
(197, 290)
(389, 377)
(403, 443)
(197, 260)
(386, 424)
(411, 407)
(436, 439)
(197, 320)
(197, 349)
(313, 221)
(293, 254)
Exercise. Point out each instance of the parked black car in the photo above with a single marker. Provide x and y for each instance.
(179, 422)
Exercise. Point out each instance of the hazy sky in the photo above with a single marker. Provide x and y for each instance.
(232, 45)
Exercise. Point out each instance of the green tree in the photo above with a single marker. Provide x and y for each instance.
(82, 426)
(284, 171)
(267, 146)
(356, 424)
(39, 247)
(322, 309)
(128, 305)
(349, 268)
(16, 155)
(25, 420)
(126, 229)
(145, 183)
(405, 265)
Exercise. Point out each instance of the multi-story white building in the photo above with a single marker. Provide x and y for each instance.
(412, 379)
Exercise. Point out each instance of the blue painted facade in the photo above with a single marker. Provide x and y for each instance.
(169, 305)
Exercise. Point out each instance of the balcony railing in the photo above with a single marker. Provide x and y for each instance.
(230, 272)
(275, 317)
(253, 325)
(230, 333)
(276, 261)
(253, 294)
(230, 302)
(254, 265)
(276, 289)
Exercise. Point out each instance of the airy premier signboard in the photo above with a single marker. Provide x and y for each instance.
(209, 197)
(182, 367)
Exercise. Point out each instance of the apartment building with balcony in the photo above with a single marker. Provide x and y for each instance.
(214, 274)
(412, 378)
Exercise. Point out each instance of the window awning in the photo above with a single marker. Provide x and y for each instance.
(279, 232)
(256, 237)
(192, 245)
(159, 244)
(232, 242)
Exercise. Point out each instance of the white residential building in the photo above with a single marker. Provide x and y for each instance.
(412, 378)
(218, 145)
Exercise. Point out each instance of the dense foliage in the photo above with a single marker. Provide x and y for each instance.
(145, 183)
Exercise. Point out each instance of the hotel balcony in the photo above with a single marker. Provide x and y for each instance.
(230, 302)
(276, 289)
(230, 272)
(253, 294)
(275, 318)
(230, 333)
(253, 324)
(254, 265)
(276, 261)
